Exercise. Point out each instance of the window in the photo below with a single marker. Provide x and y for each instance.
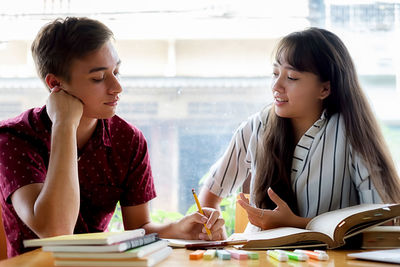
(193, 70)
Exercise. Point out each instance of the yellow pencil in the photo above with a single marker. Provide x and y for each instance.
(201, 211)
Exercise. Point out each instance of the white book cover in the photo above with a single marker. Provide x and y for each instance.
(148, 261)
(101, 238)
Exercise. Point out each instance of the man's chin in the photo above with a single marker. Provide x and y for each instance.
(101, 116)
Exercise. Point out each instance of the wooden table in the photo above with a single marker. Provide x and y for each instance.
(180, 257)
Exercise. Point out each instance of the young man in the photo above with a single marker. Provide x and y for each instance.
(63, 167)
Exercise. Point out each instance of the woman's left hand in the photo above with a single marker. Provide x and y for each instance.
(281, 216)
(192, 226)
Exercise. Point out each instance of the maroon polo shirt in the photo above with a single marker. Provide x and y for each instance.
(113, 166)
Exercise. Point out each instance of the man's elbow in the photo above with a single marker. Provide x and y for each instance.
(53, 229)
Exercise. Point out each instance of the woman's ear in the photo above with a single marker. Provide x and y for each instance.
(325, 91)
(52, 81)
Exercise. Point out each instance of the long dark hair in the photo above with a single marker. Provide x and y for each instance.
(324, 54)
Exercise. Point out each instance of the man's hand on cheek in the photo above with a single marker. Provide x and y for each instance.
(64, 107)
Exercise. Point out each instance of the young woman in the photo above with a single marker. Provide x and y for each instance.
(317, 148)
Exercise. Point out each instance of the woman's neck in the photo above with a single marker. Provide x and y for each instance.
(85, 130)
(302, 124)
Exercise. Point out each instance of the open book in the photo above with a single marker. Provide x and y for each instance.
(328, 229)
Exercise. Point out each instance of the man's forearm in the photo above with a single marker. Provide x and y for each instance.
(165, 230)
(57, 207)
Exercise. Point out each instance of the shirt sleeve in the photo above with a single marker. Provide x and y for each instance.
(232, 169)
(139, 184)
(20, 164)
(362, 180)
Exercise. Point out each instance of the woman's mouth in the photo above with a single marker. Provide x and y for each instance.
(280, 99)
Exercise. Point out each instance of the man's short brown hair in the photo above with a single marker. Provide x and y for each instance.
(61, 41)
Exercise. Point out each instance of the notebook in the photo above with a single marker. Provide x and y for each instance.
(389, 255)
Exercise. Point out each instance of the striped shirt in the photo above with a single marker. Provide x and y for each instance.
(326, 173)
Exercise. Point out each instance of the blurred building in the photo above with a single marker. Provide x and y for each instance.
(193, 70)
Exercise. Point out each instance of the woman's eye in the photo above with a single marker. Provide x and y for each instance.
(292, 79)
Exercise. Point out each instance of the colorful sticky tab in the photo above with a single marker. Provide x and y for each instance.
(278, 255)
(223, 254)
(320, 255)
(209, 254)
(296, 256)
(252, 255)
(238, 254)
(196, 255)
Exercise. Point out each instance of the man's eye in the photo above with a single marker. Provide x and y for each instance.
(98, 79)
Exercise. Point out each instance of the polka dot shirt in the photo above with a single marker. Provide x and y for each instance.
(113, 166)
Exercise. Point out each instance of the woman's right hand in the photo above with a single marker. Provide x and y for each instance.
(281, 216)
(63, 107)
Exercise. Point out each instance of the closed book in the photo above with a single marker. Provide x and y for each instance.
(150, 260)
(118, 247)
(138, 252)
(101, 238)
(381, 237)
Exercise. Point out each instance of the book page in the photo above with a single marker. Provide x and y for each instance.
(268, 234)
(328, 222)
(281, 237)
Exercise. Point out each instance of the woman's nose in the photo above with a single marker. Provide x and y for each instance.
(277, 84)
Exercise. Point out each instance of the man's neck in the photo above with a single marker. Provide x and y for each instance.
(85, 130)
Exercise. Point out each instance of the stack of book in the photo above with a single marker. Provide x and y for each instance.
(128, 248)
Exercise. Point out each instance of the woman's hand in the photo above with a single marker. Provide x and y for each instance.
(281, 216)
(192, 226)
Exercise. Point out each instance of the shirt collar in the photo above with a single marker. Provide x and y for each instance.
(45, 119)
(106, 136)
(322, 118)
(303, 147)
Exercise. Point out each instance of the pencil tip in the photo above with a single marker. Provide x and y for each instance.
(193, 190)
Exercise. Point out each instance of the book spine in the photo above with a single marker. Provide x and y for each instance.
(137, 242)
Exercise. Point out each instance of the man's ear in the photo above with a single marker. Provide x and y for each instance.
(325, 91)
(52, 81)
